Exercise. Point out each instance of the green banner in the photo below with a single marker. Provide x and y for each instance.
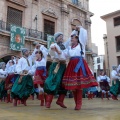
(50, 40)
(17, 39)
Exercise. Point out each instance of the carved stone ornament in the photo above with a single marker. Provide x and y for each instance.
(76, 22)
(18, 2)
(49, 12)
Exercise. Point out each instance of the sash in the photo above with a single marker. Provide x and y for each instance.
(79, 65)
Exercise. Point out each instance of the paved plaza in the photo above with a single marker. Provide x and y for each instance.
(95, 109)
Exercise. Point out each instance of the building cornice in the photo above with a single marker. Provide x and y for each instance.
(110, 14)
(49, 12)
(23, 4)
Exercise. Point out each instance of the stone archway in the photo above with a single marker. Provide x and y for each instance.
(5, 58)
(75, 22)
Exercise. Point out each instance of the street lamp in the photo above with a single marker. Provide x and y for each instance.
(35, 19)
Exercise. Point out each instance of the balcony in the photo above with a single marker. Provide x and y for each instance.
(29, 32)
(77, 4)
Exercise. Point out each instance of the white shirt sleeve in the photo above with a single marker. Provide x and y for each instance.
(118, 68)
(98, 79)
(51, 52)
(114, 75)
(33, 54)
(44, 51)
(32, 70)
(108, 79)
(22, 65)
(67, 43)
(83, 38)
(10, 69)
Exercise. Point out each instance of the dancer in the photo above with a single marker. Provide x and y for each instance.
(53, 84)
(115, 88)
(8, 82)
(78, 75)
(3, 75)
(104, 81)
(39, 68)
(91, 90)
(13, 59)
(23, 85)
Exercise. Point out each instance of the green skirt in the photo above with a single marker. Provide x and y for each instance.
(23, 89)
(115, 88)
(53, 82)
(2, 89)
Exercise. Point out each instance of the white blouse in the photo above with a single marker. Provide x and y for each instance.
(37, 64)
(76, 51)
(100, 78)
(41, 62)
(22, 63)
(55, 55)
(44, 51)
(10, 69)
(114, 74)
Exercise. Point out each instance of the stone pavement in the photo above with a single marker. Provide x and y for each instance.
(95, 109)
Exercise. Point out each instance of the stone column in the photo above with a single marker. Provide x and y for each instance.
(64, 19)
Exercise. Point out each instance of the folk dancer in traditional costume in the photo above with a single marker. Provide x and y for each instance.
(78, 75)
(8, 82)
(115, 88)
(13, 58)
(104, 82)
(91, 90)
(39, 71)
(3, 75)
(23, 85)
(53, 84)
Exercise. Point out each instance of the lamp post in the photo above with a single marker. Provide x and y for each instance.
(106, 47)
(35, 19)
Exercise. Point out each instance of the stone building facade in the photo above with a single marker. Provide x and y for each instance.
(42, 17)
(112, 39)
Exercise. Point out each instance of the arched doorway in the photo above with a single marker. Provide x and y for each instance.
(5, 59)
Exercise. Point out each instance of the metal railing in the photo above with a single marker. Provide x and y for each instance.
(29, 32)
(77, 3)
(36, 34)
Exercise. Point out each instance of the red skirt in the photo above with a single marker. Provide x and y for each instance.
(39, 78)
(8, 82)
(73, 80)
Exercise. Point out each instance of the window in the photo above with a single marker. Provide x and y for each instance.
(118, 43)
(118, 60)
(75, 2)
(98, 67)
(49, 28)
(14, 16)
(98, 60)
(117, 21)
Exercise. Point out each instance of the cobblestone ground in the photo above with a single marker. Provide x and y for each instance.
(95, 109)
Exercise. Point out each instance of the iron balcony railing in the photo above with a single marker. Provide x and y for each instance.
(77, 3)
(29, 32)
